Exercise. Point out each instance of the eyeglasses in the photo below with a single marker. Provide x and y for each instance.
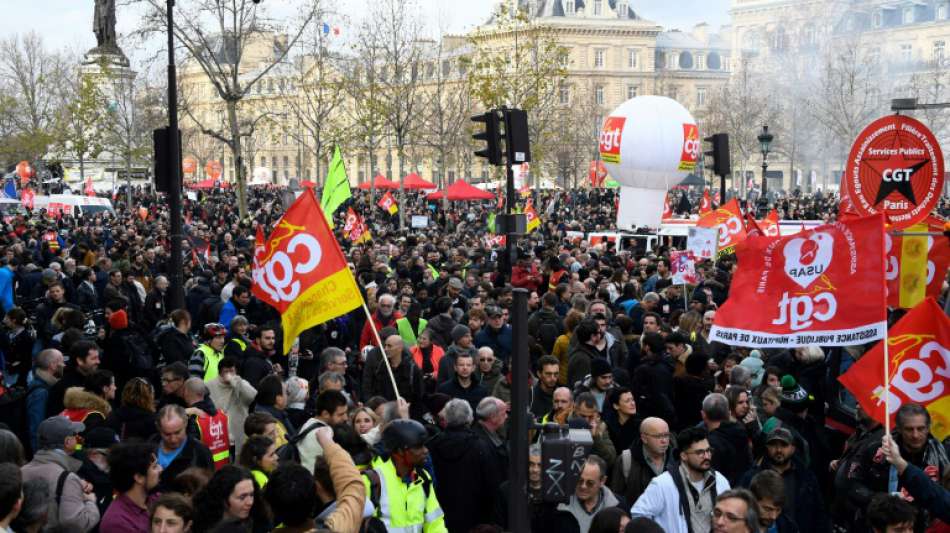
(718, 513)
(659, 435)
(588, 482)
(700, 453)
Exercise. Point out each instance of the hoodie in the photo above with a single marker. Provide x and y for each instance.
(605, 499)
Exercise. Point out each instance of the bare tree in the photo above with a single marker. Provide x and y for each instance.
(218, 36)
(80, 125)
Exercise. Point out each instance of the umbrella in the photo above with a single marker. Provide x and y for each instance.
(413, 181)
(380, 182)
(692, 180)
(461, 191)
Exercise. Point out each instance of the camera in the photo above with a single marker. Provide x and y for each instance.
(564, 450)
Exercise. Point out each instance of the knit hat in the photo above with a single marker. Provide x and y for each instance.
(600, 367)
(794, 396)
(119, 320)
(755, 366)
(460, 331)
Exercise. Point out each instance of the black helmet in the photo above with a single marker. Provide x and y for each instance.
(402, 434)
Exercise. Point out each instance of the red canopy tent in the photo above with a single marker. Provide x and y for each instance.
(462, 191)
(381, 183)
(414, 182)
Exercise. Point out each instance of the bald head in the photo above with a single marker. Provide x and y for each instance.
(562, 399)
(393, 346)
(655, 434)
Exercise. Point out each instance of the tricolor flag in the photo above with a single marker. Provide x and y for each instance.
(388, 203)
(303, 272)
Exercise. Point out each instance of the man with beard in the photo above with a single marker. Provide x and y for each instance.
(803, 501)
(686, 491)
(769, 491)
(384, 316)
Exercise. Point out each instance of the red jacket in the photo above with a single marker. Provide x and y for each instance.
(367, 338)
(436, 356)
(526, 278)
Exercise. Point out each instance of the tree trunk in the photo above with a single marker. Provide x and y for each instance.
(444, 180)
(235, 147)
(82, 168)
(128, 177)
(402, 190)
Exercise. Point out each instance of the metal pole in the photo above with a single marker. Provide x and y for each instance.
(518, 437)
(176, 295)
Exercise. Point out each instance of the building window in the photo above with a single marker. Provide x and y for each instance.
(877, 19)
(566, 58)
(599, 54)
(569, 7)
(939, 47)
(686, 60)
(907, 53)
(700, 96)
(273, 161)
(700, 61)
(907, 15)
(564, 95)
(633, 57)
(599, 94)
(631, 91)
(598, 7)
(263, 161)
(714, 62)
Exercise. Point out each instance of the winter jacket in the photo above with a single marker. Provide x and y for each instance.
(129, 421)
(491, 378)
(176, 346)
(472, 394)
(652, 382)
(285, 428)
(73, 512)
(928, 494)
(688, 394)
(86, 297)
(733, 453)
(806, 505)
(194, 454)
(256, 366)
(86, 407)
(560, 352)
(542, 402)
(17, 353)
(630, 483)
(545, 316)
(457, 453)
(605, 499)
(499, 341)
(661, 501)
(234, 398)
(349, 489)
(367, 338)
(71, 378)
(579, 362)
(37, 395)
(408, 381)
(622, 435)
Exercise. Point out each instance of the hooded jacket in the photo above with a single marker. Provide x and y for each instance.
(807, 508)
(733, 453)
(579, 362)
(83, 406)
(457, 453)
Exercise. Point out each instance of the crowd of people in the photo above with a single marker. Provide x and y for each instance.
(123, 414)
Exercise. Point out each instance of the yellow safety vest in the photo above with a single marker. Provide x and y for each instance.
(405, 330)
(435, 271)
(405, 508)
(212, 358)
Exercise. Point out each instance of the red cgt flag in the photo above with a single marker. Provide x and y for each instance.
(769, 224)
(728, 219)
(824, 286)
(302, 271)
(916, 264)
(919, 348)
(667, 211)
(355, 227)
(705, 206)
(752, 228)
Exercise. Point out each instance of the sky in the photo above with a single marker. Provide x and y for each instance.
(67, 24)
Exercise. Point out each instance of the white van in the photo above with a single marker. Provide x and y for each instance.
(75, 204)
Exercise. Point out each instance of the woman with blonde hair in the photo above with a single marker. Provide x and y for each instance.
(690, 325)
(366, 424)
(135, 416)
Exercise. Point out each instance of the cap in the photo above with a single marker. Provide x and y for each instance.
(460, 331)
(100, 437)
(455, 283)
(600, 367)
(49, 276)
(780, 434)
(53, 431)
(493, 310)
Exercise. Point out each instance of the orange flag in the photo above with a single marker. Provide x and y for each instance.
(728, 219)
(303, 273)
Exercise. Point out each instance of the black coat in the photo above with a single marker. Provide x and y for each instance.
(688, 394)
(131, 422)
(154, 309)
(732, 453)
(176, 346)
(408, 380)
(473, 394)
(18, 354)
(805, 507)
(255, 366)
(71, 378)
(458, 453)
(653, 383)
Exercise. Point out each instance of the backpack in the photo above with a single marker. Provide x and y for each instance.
(155, 341)
(289, 452)
(548, 332)
(138, 350)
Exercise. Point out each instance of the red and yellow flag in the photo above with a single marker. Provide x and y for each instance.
(355, 228)
(302, 272)
(533, 221)
(388, 203)
(728, 218)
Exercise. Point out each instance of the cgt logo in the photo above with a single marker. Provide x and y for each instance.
(691, 146)
(729, 226)
(610, 137)
(807, 260)
(897, 175)
(301, 255)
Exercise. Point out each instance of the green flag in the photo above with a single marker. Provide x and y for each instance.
(336, 188)
(491, 223)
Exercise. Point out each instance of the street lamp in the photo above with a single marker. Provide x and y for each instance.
(765, 141)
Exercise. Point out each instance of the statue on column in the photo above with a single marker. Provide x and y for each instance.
(103, 24)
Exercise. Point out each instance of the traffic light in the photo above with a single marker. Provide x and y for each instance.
(164, 160)
(517, 141)
(720, 154)
(493, 137)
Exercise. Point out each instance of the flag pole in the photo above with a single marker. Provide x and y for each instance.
(382, 351)
(887, 378)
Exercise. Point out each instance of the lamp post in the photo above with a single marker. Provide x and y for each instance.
(765, 141)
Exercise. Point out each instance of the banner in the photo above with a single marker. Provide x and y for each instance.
(705, 205)
(916, 264)
(355, 228)
(303, 273)
(919, 349)
(683, 267)
(728, 219)
(701, 242)
(388, 203)
(824, 286)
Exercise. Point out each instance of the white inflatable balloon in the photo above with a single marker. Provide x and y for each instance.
(650, 142)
